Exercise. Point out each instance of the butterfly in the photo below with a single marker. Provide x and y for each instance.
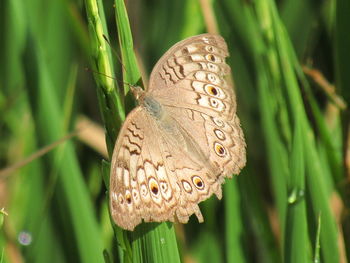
(176, 148)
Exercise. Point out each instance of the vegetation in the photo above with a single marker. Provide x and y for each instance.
(290, 63)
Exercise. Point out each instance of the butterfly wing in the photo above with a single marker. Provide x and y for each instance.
(151, 177)
(191, 83)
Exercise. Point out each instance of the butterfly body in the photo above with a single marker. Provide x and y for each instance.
(150, 104)
(175, 149)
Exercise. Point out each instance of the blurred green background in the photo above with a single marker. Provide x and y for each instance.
(290, 64)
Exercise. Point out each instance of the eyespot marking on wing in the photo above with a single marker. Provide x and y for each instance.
(153, 186)
(213, 78)
(128, 197)
(218, 122)
(198, 182)
(219, 149)
(219, 134)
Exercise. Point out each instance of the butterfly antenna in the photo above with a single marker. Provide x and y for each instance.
(120, 60)
(114, 52)
(107, 76)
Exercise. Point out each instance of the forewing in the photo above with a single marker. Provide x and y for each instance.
(191, 82)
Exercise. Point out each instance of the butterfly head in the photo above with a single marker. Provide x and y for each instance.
(138, 92)
(152, 106)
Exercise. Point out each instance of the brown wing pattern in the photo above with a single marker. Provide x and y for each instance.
(164, 165)
(191, 82)
(152, 179)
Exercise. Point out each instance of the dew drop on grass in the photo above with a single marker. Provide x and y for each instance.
(25, 238)
(295, 195)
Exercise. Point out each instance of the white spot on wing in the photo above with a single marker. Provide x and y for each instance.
(219, 134)
(197, 57)
(126, 178)
(141, 177)
(187, 186)
(119, 173)
(201, 75)
(148, 169)
(114, 197)
(191, 48)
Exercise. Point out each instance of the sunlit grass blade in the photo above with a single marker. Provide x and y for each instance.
(110, 98)
(131, 73)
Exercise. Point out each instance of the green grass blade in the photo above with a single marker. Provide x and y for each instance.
(296, 238)
(317, 256)
(147, 241)
(154, 242)
(74, 199)
(342, 56)
(110, 99)
(131, 71)
(233, 221)
(298, 17)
